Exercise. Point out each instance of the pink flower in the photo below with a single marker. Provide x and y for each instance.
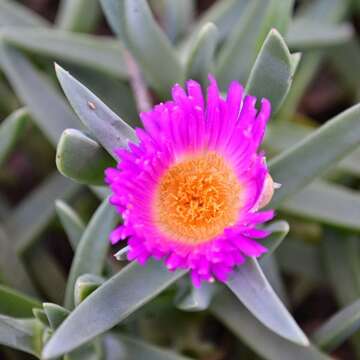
(190, 191)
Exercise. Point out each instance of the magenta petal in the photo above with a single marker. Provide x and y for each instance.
(192, 124)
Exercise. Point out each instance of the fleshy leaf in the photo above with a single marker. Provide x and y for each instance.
(47, 108)
(244, 42)
(20, 334)
(151, 48)
(284, 134)
(14, 303)
(33, 214)
(71, 16)
(100, 53)
(326, 203)
(177, 17)
(13, 271)
(72, 223)
(263, 341)
(273, 71)
(91, 252)
(96, 314)
(338, 328)
(105, 125)
(10, 130)
(201, 58)
(41, 316)
(253, 290)
(85, 285)
(56, 314)
(114, 11)
(81, 158)
(306, 160)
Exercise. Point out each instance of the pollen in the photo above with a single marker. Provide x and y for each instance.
(197, 198)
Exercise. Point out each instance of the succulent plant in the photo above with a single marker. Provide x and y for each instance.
(106, 308)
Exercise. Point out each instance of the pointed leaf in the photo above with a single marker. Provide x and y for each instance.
(201, 58)
(81, 158)
(91, 252)
(339, 327)
(300, 164)
(116, 93)
(46, 106)
(71, 221)
(264, 342)
(56, 314)
(132, 287)
(253, 290)
(10, 130)
(14, 303)
(102, 53)
(20, 334)
(106, 126)
(269, 266)
(273, 71)
(151, 48)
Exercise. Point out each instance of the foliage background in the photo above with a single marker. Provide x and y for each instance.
(317, 267)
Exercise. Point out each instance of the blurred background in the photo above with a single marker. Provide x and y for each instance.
(315, 279)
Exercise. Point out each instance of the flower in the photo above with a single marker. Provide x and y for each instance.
(190, 190)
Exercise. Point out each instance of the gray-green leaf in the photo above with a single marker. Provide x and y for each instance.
(14, 303)
(263, 341)
(308, 159)
(81, 158)
(338, 328)
(201, 58)
(10, 130)
(105, 125)
(101, 53)
(91, 252)
(20, 334)
(97, 313)
(253, 290)
(71, 221)
(273, 71)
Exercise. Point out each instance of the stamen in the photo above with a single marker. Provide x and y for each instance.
(197, 199)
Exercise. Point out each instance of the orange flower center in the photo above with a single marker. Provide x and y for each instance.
(197, 199)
